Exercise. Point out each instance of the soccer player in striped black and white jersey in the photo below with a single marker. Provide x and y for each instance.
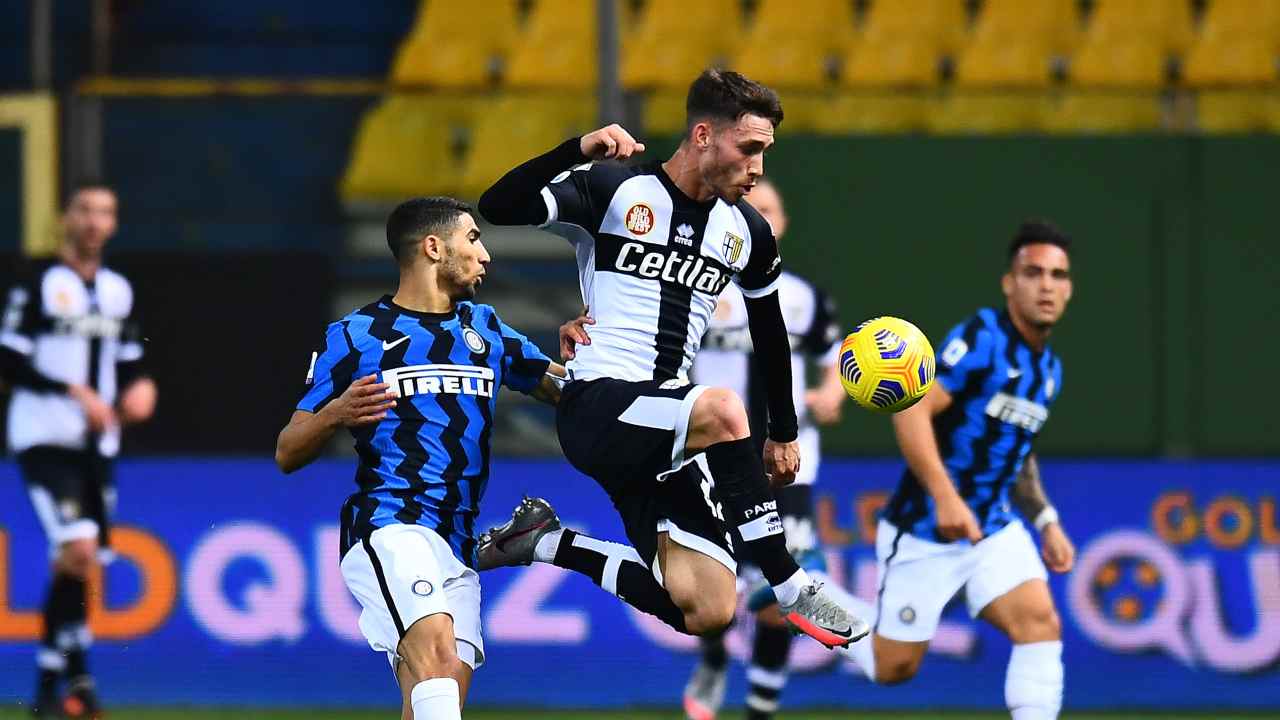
(656, 245)
(72, 351)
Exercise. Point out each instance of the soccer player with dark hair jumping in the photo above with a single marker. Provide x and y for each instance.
(414, 377)
(950, 525)
(71, 348)
(656, 245)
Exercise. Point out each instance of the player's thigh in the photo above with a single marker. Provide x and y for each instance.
(700, 585)
(917, 578)
(58, 486)
(621, 432)
(897, 661)
(1009, 587)
(717, 415)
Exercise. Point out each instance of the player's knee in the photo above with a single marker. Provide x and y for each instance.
(719, 416)
(77, 557)
(709, 618)
(1038, 624)
(891, 671)
(429, 652)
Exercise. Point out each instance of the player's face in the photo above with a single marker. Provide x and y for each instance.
(1038, 284)
(735, 159)
(90, 220)
(465, 259)
(766, 200)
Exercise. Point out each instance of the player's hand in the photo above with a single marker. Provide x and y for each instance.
(610, 143)
(365, 401)
(781, 462)
(98, 413)
(1059, 554)
(956, 521)
(574, 333)
(823, 407)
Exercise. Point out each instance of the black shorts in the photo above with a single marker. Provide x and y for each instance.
(72, 491)
(630, 437)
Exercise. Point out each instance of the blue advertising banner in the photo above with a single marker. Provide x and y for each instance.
(227, 591)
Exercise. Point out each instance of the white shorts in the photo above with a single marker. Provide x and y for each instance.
(918, 577)
(404, 573)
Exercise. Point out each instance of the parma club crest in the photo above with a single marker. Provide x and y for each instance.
(732, 248)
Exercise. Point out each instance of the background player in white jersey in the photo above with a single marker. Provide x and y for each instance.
(726, 360)
(656, 245)
(950, 524)
(71, 348)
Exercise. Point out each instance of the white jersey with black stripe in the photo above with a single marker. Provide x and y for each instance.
(74, 332)
(727, 361)
(652, 263)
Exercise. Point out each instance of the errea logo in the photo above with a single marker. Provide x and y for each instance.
(441, 380)
(684, 234)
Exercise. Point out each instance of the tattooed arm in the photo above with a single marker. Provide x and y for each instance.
(1032, 501)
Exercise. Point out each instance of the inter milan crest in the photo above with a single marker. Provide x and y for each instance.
(474, 342)
(732, 248)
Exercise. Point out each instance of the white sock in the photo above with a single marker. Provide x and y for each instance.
(862, 653)
(436, 699)
(789, 591)
(1033, 682)
(545, 550)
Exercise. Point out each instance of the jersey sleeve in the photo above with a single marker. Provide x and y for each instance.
(21, 316)
(966, 355)
(332, 369)
(580, 195)
(760, 275)
(523, 364)
(822, 340)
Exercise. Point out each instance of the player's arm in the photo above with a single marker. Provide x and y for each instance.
(516, 198)
(548, 388)
(773, 352)
(822, 343)
(364, 402)
(17, 343)
(913, 428)
(1032, 501)
(137, 402)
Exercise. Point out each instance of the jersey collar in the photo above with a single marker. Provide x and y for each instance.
(425, 316)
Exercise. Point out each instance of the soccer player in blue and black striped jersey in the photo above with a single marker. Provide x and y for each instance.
(414, 377)
(951, 524)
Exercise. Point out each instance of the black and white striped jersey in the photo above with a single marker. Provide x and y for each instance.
(73, 332)
(651, 264)
(726, 359)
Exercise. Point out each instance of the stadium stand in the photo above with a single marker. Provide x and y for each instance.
(520, 125)
(707, 29)
(557, 48)
(457, 45)
(1233, 66)
(796, 43)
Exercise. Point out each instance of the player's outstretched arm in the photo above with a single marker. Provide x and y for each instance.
(1032, 501)
(548, 388)
(913, 428)
(773, 352)
(364, 402)
(516, 199)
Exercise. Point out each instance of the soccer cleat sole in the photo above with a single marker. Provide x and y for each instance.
(801, 625)
(694, 710)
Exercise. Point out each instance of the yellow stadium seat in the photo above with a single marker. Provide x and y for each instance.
(664, 112)
(408, 145)
(1102, 111)
(455, 44)
(941, 24)
(1015, 42)
(1167, 23)
(869, 111)
(1134, 62)
(979, 112)
(1237, 110)
(1257, 18)
(517, 126)
(707, 32)
(558, 47)
(1005, 62)
(882, 62)
(795, 43)
(1240, 60)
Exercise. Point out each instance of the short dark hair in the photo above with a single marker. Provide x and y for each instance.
(1035, 232)
(724, 95)
(85, 183)
(415, 219)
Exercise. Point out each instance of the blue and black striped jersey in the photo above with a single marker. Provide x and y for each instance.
(427, 462)
(1001, 390)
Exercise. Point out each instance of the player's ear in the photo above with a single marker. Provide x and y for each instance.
(1006, 283)
(433, 247)
(701, 135)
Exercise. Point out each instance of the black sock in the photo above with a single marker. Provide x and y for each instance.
(738, 473)
(767, 674)
(77, 627)
(714, 654)
(628, 578)
(62, 606)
